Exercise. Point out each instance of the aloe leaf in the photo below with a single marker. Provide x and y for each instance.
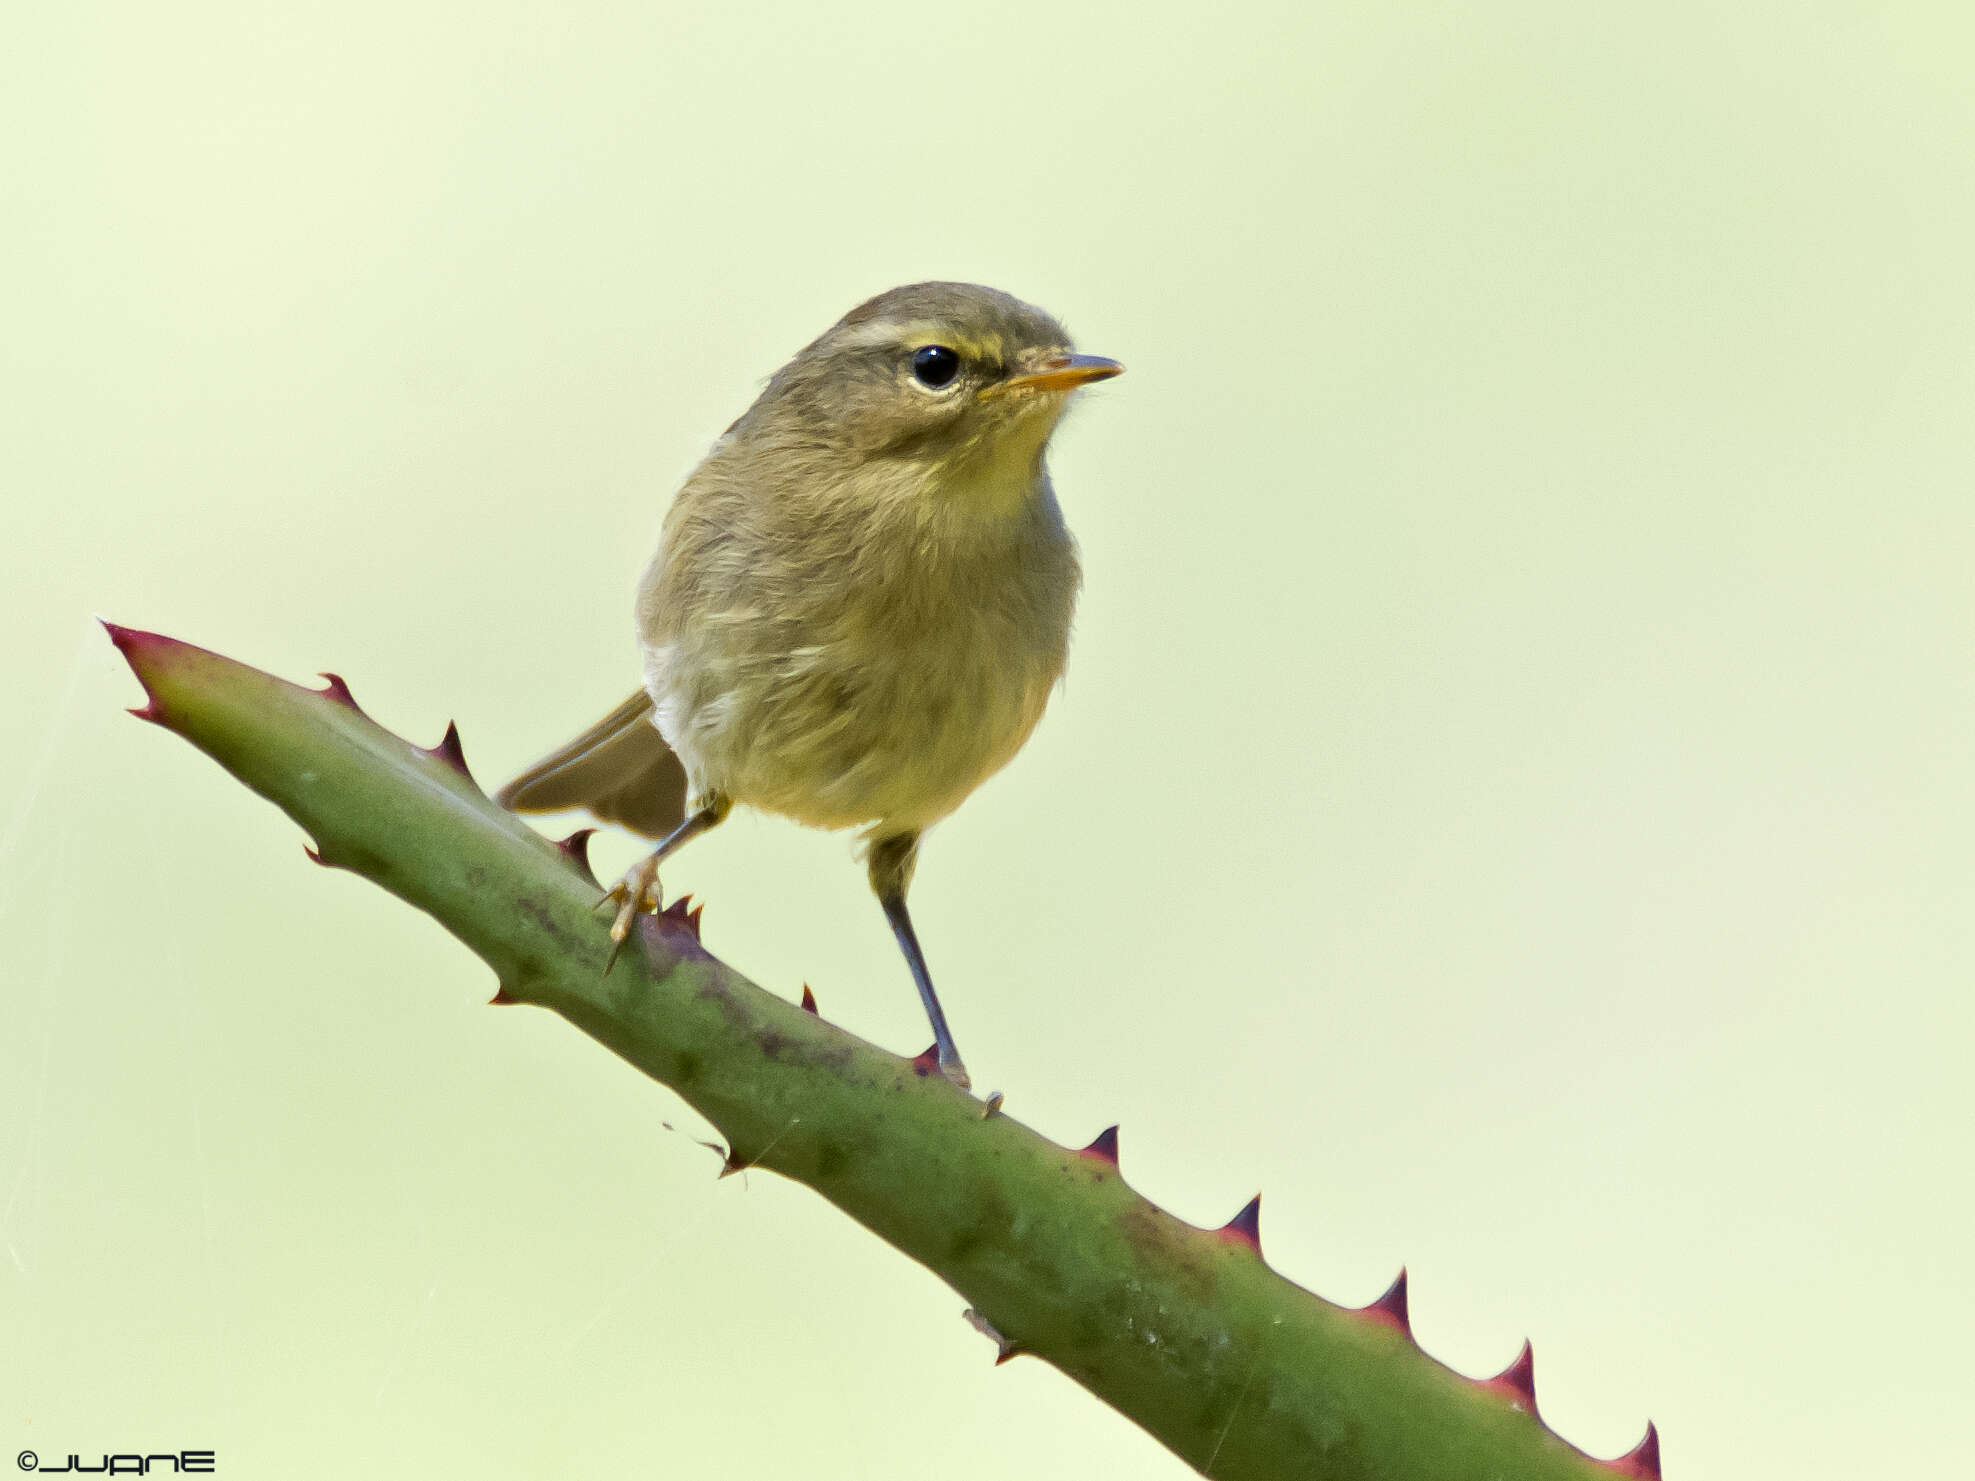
(1187, 1331)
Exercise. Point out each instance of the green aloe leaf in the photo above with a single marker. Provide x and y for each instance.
(1242, 1373)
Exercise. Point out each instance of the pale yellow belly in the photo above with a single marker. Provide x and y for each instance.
(893, 739)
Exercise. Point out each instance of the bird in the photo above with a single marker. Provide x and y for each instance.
(860, 603)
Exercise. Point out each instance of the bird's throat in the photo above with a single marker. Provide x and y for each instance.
(997, 479)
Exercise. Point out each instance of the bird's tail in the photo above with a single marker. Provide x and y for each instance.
(620, 769)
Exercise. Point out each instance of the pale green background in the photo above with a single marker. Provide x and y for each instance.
(1512, 800)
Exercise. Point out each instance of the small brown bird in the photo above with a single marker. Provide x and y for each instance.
(860, 602)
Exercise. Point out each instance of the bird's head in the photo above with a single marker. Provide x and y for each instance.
(963, 380)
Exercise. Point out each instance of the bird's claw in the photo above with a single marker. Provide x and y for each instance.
(637, 891)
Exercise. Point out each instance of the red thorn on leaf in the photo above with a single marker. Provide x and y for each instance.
(1104, 1147)
(927, 1063)
(1246, 1226)
(339, 691)
(682, 912)
(577, 848)
(680, 920)
(315, 856)
(1517, 1381)
(732, 1165)
(502, 997)
(151, 712)
(1004, 1349)
(1642, 1461)
(1391, 1309)
(448, 750)
(808, 999)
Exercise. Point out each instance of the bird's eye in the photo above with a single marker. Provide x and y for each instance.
(935, 365)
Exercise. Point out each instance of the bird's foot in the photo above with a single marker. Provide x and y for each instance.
(637, 891)
(955, 1071)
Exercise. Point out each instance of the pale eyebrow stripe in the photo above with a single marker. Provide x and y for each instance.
(888, 332)
(885, 332)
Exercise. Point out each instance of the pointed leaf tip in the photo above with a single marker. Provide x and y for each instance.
(576, 847)
(129, 639)
(1246, 1226)
(316, 856)
(133, 644)
(449, 750)
(808, 999)
(1003, 1354)
(502, 997)
(1393, 1308)
(1642, 1461)
(1104, 1147)
(1518, 1380)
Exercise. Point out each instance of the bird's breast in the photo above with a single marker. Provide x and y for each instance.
(866, 690)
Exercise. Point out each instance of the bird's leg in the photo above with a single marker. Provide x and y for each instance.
(638, 889)
(891, 872)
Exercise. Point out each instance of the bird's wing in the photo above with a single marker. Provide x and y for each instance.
(620, 769)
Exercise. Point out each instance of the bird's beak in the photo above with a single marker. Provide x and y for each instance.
(1059, 373)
